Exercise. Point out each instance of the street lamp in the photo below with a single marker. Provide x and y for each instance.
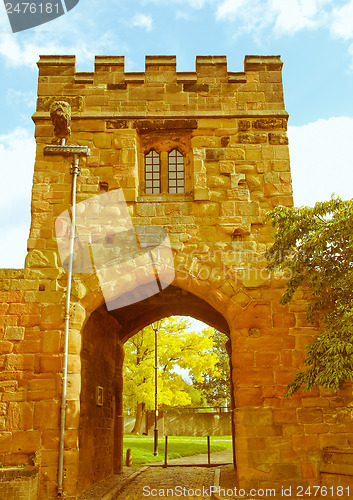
(60, 113)
(155, 326)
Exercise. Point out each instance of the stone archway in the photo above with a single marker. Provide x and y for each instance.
(171, 301)
(102, 355)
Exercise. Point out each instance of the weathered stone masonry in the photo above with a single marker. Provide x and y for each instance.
(231, 130)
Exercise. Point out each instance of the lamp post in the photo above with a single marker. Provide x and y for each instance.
(155, 326)
(60, 113)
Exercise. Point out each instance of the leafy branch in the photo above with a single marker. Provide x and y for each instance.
(314, 245)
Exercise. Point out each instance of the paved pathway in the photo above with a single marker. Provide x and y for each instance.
(186, 478)
(189, 480)
(158, 483)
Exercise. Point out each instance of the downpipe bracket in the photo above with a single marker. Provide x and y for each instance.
(63, 150)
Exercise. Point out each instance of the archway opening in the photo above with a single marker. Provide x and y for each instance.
(101, 424)
(176, 384)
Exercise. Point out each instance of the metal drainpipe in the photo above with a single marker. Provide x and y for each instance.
(75, 172)
(76, 152)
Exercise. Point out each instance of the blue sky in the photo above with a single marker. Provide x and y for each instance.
(313, 37)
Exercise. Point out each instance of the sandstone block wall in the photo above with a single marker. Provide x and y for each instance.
(19, 484)
(96, 434)
(231, 129)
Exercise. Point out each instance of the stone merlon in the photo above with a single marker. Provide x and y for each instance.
(161, 90)
(205, 65)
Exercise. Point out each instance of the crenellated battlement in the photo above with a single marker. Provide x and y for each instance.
(161, 89)
(116, 64)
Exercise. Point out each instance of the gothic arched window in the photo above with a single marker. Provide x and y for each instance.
(176, 174)
(152, 172)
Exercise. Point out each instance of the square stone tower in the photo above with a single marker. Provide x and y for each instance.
(203, 155)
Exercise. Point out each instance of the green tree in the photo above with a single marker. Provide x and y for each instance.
(216, 388)
(314, 246)
(197, 397)
(177, 349)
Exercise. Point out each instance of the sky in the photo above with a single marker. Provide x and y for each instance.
(313, 37)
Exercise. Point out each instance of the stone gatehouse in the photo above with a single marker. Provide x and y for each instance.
(203, 155)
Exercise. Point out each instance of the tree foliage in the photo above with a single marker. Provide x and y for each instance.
(177, 348)
(314, 246)
(216, 389)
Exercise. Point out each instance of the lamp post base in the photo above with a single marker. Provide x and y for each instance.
(155, 442)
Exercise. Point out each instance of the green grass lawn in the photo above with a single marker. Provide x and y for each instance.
(178, 446)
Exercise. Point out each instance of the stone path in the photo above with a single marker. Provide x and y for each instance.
(158, 483)
(181, 472)
(188, 478)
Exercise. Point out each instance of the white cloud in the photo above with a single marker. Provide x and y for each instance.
(286, 16)
(294, 15)
(22, 52)
(13, 248)
(321, 160)
(230, 9)
(17, 153)
(342, 21)
(28, 98)
(142, 21)
(78, 34)
(283, 17)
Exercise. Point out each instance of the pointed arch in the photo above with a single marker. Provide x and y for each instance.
(176, 172)
(152, 172)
